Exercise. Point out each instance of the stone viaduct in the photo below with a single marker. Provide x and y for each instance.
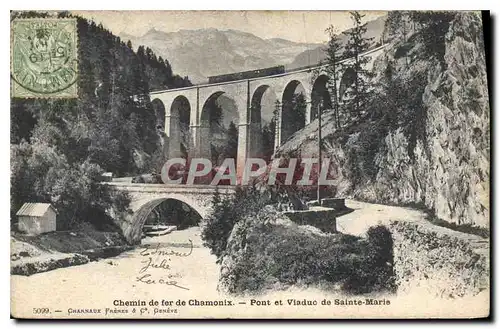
(247, 95)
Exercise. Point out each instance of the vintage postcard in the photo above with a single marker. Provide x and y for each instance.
(250, 164)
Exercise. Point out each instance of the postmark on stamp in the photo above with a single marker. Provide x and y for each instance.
(44, 58)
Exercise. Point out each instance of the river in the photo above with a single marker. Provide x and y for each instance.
(182, 260)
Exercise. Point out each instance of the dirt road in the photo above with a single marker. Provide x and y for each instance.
(370, 214)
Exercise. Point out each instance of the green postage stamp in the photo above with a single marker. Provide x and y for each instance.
(261, 164)
(44, 58)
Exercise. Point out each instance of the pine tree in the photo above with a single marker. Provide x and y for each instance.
(398, 21)
(293, 115)
(357, 44)
(216, 117)
(231, 148)
(298, 112)
(332, 60)
(275, 124)
(433, 28)
(268, 134)
(149, 53)
(168, 69)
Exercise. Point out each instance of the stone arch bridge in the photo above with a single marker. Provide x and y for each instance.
(247, 95)
(145, 197)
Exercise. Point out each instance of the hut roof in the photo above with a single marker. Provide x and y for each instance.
(34, 209)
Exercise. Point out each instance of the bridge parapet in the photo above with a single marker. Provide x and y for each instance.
(174, 188)
(247, 100)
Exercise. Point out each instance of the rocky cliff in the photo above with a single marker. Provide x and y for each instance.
(426, 138)
(439, 262)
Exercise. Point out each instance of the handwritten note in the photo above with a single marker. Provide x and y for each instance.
(157, 259)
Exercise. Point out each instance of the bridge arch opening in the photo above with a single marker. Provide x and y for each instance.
(171, 212)
(346, 82)
(219, 128)
(320, 96)
(158, 214)
(180, 112)
(262, 118)
(293, 109)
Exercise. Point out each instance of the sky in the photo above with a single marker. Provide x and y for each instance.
(298, 26)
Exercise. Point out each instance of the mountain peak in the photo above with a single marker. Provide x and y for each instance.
(151, 31)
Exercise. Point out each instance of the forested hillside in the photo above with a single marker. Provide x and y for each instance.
(59, 147)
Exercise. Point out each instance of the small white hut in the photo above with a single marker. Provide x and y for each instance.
(36, 218)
